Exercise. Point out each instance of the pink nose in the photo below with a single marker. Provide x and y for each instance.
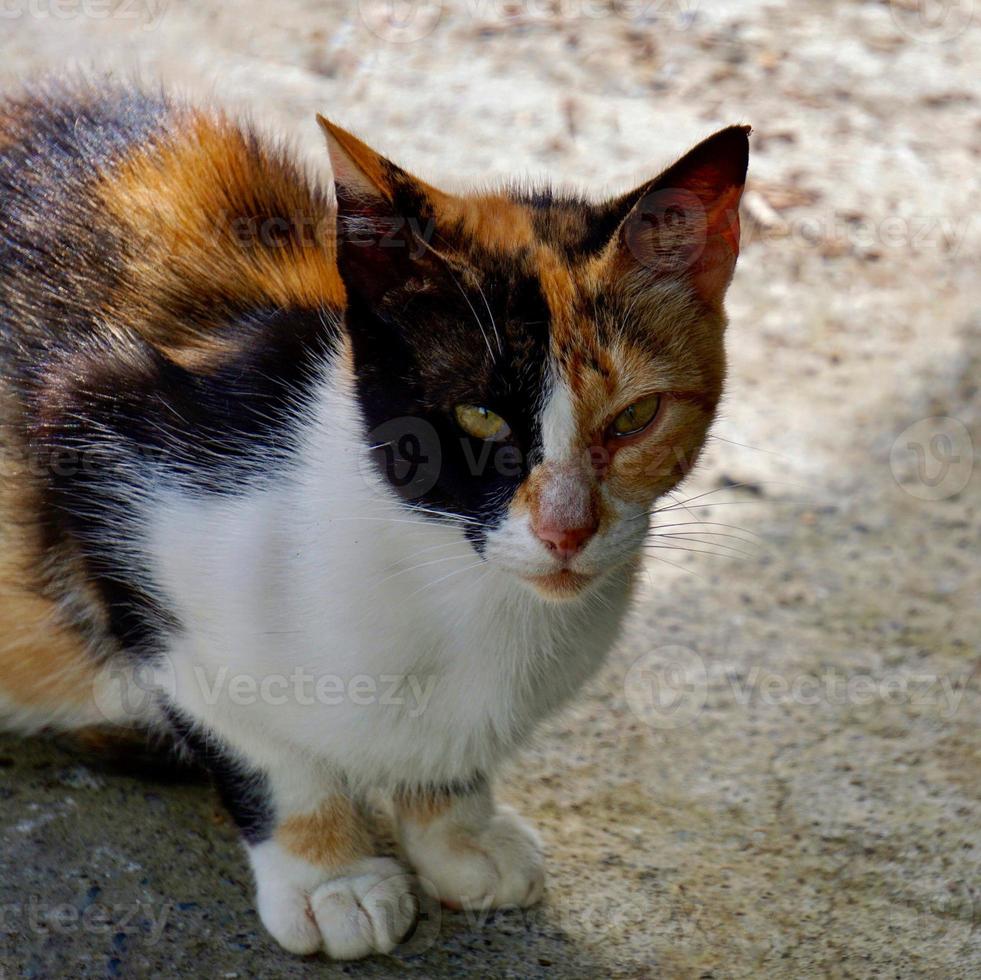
(566, 542)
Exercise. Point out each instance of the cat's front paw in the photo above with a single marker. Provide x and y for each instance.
(367, 908)
(368, 911)
(499, 866)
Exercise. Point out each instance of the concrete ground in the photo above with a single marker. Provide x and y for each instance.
(777, 774)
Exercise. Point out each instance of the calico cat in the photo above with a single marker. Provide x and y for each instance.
(342, 512)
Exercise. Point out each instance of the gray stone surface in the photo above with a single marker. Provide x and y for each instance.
(778, 772)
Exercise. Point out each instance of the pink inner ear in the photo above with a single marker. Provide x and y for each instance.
(724, 218)
(685, 224)
(689, 232)
(714, 268)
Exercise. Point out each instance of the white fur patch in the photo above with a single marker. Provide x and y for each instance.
(558, 423)
(475, 856)
(394, 652)
(330, 633)
(367, 908)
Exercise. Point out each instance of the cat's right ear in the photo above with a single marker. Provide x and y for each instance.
(386, 217)
(684, 224)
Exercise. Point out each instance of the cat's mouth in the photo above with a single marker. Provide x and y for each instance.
(561, 584)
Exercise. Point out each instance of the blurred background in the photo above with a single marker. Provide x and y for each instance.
(778, 772)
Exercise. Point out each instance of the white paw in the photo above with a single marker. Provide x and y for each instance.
(368, 908)
(363, 913)
(500, 866)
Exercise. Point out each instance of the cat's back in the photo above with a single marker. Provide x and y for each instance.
(167, 279)
(130, 217)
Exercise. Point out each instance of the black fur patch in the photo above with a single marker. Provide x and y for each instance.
(439, 340)
(115, 423)
(57, 262)
(575, 227)
(244, 792)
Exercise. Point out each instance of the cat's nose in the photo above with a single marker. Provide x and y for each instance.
(565, 542)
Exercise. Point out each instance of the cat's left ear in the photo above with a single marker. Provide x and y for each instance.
(386, 217)
(683, 226)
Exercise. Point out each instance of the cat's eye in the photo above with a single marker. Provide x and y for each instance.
(636, 417)
(482, 423)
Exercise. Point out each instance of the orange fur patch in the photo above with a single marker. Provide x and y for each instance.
(208, 214)
(492, 221)
(332, 837)
(44, 664)
(607, 368)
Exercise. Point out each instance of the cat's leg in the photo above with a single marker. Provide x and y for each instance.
(467, 851)
(319, 885)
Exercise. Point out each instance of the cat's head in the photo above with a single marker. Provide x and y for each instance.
(535, 366)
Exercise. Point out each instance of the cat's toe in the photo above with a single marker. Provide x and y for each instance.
(367, 911)
(500, 867)
(285, 912)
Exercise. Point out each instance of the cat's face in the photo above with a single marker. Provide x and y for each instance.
(537, 368)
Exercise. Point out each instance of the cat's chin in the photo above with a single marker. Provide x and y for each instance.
(561, 585)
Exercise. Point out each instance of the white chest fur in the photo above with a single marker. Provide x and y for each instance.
(321, 614)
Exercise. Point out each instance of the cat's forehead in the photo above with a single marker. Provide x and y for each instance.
(515, 239)
(540, 260)
(568, 223)
(518, 296)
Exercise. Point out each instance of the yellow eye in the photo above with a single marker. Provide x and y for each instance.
(482, 423)
(636, 417)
